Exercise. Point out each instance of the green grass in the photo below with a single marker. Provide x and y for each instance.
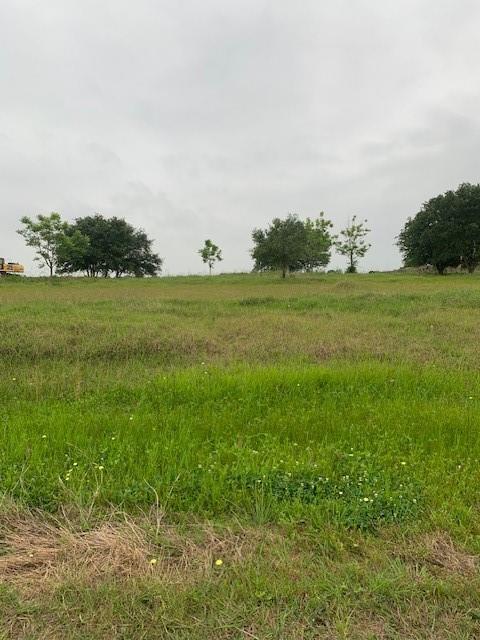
(332, 421)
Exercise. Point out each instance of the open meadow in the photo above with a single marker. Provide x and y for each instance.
(238, 457)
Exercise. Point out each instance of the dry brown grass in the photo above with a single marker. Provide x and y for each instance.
(438, 551)
(40, 552)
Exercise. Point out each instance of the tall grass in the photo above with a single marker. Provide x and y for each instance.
(323, 431)
(332, 398)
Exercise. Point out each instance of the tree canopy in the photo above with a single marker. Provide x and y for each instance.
(49, 236)
(292, 245)
(445, 232)
(115, 247)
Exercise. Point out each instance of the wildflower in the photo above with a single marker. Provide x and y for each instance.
(44, 436)
(366, 500)
(131, 418)
(153, 561)
(101, 467)
(403, 463)
(218, 562)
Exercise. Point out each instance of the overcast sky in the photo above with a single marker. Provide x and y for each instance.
(203, 119)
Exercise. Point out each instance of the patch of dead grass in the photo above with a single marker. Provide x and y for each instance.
(38, 552)
(437, 550)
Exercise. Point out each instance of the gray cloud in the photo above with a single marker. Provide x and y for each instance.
(198, 120)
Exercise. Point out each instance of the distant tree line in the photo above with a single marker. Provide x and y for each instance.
(104, 247)
(444, 233)
(94, 245)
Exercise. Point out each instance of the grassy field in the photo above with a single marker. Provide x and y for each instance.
(240, 457)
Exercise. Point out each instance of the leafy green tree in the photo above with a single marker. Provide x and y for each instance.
(352, 243)
(47, 235)
(281, 246)
(141, 260)
(319, 243)
(210, 254)
(93, 261)
(71, 248)
(467, 228)
(114, 247)
(445, 232)
(427, 238)
(293, 244)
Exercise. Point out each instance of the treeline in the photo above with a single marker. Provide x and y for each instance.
(94, 245)
(444, 233)
(99, 246)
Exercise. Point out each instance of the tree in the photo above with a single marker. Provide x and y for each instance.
(281, 246)
(319, 242)
(293, 245)
(141, 260)
(47, 235)
(210, 254)
(467, 227)
(352, 243)
(93, 259)
(445, 232)
(114, 247)
(426, 238)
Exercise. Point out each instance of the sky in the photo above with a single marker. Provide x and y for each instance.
(198, 120)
